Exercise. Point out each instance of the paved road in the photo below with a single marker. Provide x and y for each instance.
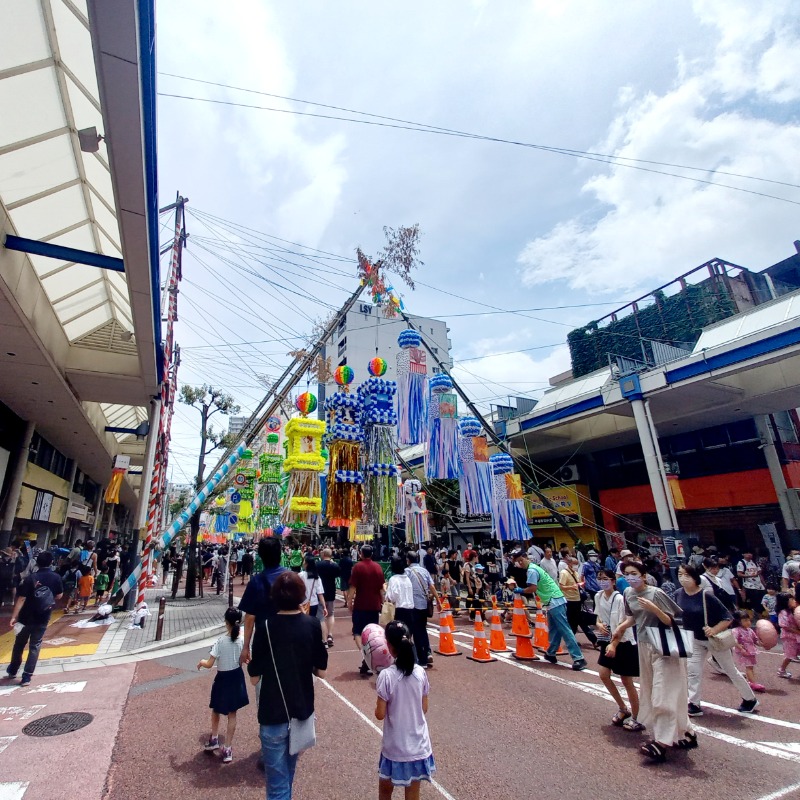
(507, 728)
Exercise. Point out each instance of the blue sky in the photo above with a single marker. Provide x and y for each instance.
(706, 84)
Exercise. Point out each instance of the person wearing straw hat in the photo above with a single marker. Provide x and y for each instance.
(505, 597)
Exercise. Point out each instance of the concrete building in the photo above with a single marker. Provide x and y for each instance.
(365, 333)
(236, 425)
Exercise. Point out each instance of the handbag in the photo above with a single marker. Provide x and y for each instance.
(718, 642)
(424, 591)
(302, 732)
(670, 640)
(387, 613)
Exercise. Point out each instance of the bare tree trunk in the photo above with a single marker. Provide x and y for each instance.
(190, 590)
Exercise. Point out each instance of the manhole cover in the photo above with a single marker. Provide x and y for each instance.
(56, 724)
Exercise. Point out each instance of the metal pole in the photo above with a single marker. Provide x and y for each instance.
(651, 463)
(660, 461)
(162, 606)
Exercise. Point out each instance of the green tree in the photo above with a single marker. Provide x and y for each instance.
(208, 401)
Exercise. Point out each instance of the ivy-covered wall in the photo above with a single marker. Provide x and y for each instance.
(676, 319)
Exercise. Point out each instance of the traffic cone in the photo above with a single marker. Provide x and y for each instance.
(541, 639)
(519, 619)
(497, 642)
(446, 615)
(480, 647)
(447, 647)
(524, 651)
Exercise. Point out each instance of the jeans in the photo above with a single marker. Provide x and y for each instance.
(724, 658)
(558, 629)
(279, 766)
(32, 636)
(420, 635)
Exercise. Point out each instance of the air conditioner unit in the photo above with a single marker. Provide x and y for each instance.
(568, 474)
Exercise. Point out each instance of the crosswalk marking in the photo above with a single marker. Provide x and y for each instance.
(13, 791)
(60, 688)
(4, 690)
(5, 741)
(10, 713)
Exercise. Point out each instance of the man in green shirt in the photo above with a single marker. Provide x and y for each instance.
(555, 606)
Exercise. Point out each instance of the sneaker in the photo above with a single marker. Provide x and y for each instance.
(365, 670)
(26, 680)
(579, 665)
(212, 743)
(748, 706)
(7, 676)
(329, 642)
(695, 710)
(430, 659)
(758, 687)
(782, 673)
(551, 659)
(227, 755)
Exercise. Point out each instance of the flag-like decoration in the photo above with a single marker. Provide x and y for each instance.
(303, 464)
(508, 506)
(475, 475)
(412, 379)
(441, 458)
(244, 482)
(121, 464)
(416, 512)
(379, 421)
(343, 440)
(269, 482)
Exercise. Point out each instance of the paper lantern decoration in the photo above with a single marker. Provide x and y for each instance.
(344, 439)
(412, 390)
(379, 419)
(508, 506)
(441, 457)
(415, 512)
(306, 403)
(303, 465)
(766, 633)
(475, 474)
(343, 375)
(377, 367)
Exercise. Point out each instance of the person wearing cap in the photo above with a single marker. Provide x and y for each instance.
(555, 606)
(505, 597)
(588, 573)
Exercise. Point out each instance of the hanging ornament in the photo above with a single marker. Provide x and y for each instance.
(303, 465)
(379, 419)
(412, 377)
(273, 424)
(441, 457)
(475, 474)
(416, 512)
(306, 403)
(377, 367)
(508, 506)
(343, 375)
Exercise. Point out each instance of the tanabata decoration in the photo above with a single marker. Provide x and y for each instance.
(344, 439)
(379, 420)
(303, 464)
(271, 463)
(416, 512)
(377, 367)
(475, 474)
(441, 457)
(508, 506)
(412, 378)
(244, 482)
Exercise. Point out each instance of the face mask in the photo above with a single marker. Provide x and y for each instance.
(604, 584)
(594, 558)
(686, 581)
(633, 580)
(796, 558)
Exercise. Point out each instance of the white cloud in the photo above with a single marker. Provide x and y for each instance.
(720, 114)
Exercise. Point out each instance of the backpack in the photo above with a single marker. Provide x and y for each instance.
(42, 600)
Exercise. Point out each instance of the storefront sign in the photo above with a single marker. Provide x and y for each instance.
(78, 511)
(563, 499)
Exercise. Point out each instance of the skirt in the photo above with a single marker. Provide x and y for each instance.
(404, 773)
(229, 692)
(625, 661)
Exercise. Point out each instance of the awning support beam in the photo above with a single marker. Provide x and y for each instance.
(49, 250)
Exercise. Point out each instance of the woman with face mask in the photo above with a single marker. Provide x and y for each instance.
(610, 607)
(704, 615)
(662, 682)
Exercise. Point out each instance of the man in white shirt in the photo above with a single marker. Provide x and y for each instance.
(548, 564)
(750, 577)
(535, 553)
(790, 571)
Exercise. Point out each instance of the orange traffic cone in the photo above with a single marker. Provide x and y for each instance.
(524, 651)
(519, 619)
(447, 647)
(497, 642)
(446, 615)
(480, 647)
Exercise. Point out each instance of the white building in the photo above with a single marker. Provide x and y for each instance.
(236, 425)
(366, 333)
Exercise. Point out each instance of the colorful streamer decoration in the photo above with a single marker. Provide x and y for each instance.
(379, 421)
(271, 465)
(412, 378)
(508, 507)
(416, 512)
(441, 457)
(303, 464)
(475, 474)
(345, 436)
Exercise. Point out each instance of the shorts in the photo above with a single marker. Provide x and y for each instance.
(344, 586)
(330, 605)
(363, 618)
(790, 647)
(625, 661)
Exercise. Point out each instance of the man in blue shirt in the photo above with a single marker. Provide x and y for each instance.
(612, 559)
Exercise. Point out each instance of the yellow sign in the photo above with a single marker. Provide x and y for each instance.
(564, 499)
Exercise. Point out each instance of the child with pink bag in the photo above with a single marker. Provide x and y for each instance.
(745, 653)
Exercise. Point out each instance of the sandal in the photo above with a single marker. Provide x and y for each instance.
(619, 718)
(654, 751)
(689, 742)
(632, 724)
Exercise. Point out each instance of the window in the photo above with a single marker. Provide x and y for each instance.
(343, 362)
(44, 455)
(713, 438)
(436, 370)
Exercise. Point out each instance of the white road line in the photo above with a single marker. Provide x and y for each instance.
(13, 791)
(781, 792)
(595, 690)
(10, 713)
(5, 741)
(439, 788)
(789, 747)
(59, 688)
(6, 690)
